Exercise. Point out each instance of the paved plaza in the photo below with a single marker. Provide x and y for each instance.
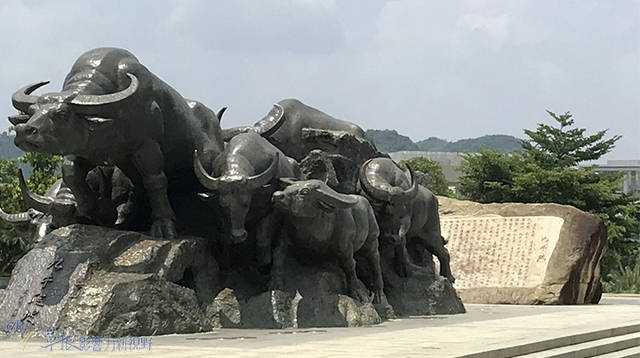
(483, 328)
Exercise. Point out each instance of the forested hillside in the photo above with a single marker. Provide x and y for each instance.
(386, 141)
(391, 141)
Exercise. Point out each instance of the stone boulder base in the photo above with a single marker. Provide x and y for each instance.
(282, 309)
(335, 311)
(105, 282)
(523, 253)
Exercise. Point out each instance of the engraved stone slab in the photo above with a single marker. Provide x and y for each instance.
(511, 251)
(523, 253)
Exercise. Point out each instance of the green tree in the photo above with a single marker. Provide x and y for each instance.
(436, 181)
(546, 170)
(562, 147)
(45, 172)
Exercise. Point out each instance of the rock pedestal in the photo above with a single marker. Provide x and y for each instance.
(523, 253)
(105, 282)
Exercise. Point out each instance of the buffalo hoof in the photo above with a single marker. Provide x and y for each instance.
(361, 295)
(382, 306)
(164, 228)
(379, 298)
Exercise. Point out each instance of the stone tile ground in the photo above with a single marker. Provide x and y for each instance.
(484, 327)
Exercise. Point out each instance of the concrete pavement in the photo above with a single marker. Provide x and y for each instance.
(483, 328)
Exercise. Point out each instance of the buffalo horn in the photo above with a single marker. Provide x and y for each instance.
(256, 181)
(32, 200)
(265, 127)
(275, 119)
(370, 189)
(413, 190)
(15, 218)
(204, 178)
(22, 98)
(220, 113)
(92, 104)
(334, 199)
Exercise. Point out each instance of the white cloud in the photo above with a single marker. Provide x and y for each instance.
(451, 69)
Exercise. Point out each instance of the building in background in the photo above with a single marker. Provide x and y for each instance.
(631, 171)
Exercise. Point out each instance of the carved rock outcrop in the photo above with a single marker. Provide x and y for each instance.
(523, 253)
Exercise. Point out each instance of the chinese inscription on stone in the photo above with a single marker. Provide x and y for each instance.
(498, 251)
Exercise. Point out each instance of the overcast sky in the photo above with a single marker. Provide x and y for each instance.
(449, 69)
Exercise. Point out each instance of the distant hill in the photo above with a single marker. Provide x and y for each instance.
(386, 140)
(391, 141)
(433, 144)
(8, 150)
(501, 143)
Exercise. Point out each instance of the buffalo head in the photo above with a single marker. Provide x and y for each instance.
(59, 123)
(392, 204)
(46, 212)
(234, 192)
(309, 198)
(61, 208)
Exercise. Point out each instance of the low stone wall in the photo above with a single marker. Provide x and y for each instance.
(523, 253)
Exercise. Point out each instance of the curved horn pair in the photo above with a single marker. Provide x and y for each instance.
(265, 127)
(385, 195)
(88, 104)
(253, 182)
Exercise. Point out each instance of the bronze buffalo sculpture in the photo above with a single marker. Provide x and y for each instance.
(57, 207)
(278, 221)
(113, 111)
(33, 224)
(325, 221)
(244, 176)
(406, 212)
(286, 122)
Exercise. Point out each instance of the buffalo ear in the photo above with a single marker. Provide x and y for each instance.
(19, 119)
(98, 120)
(95, 122)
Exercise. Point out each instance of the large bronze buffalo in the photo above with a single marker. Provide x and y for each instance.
(284, 126)
(327, 222)
(406, 212)
(113, 111)
(57, 207)
(244, 177)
